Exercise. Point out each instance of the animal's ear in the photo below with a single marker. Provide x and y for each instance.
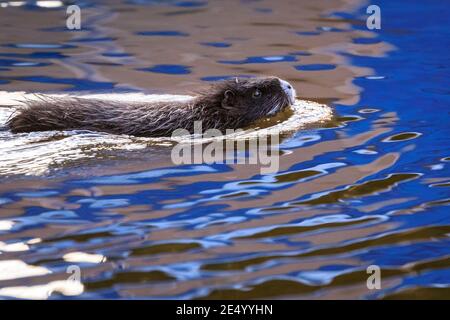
(229, 98)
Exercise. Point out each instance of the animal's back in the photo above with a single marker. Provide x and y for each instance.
(62, 113)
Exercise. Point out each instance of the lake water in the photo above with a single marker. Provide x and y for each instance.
(370, 188)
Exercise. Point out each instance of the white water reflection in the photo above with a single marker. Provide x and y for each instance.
(15, 269)
(84, 257)
(41, 292)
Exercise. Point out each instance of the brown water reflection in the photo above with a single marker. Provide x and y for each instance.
(251, 34)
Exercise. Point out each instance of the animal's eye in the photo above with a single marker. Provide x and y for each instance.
(257, 93)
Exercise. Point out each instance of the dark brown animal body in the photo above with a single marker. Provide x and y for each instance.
(229, 104)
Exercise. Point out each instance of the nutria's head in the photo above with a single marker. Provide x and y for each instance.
(252, 98)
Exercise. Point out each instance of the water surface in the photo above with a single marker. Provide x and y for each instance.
(368, 189)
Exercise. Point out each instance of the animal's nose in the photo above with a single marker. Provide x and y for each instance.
(288, 89)
(285, 85)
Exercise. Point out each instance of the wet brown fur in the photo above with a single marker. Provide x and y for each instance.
(229, 104)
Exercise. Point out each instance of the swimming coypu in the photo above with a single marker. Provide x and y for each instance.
(228, 104)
